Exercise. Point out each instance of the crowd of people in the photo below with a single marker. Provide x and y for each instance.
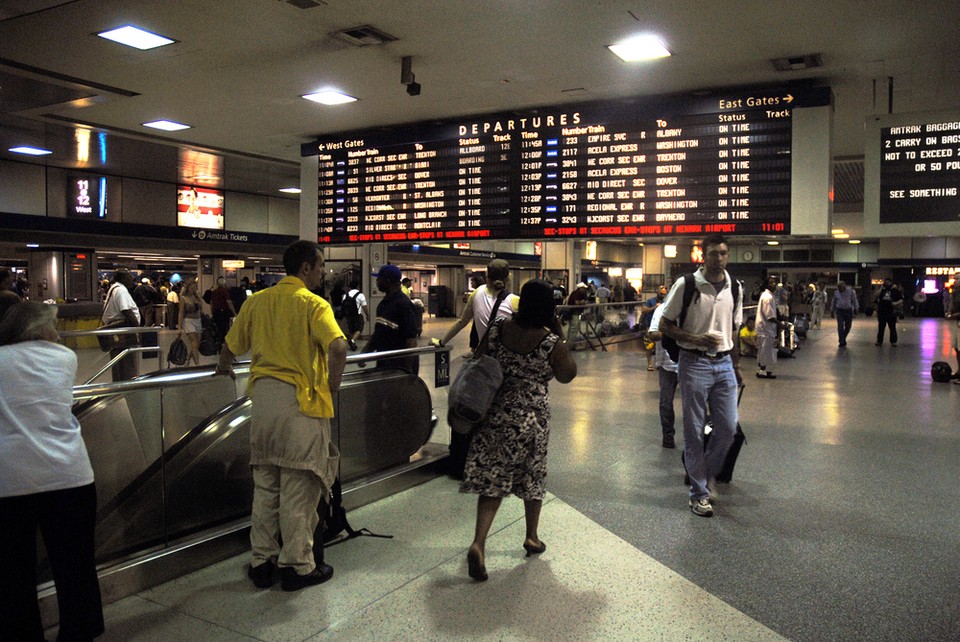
(299, 342)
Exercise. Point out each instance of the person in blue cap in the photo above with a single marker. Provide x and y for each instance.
(395, 325)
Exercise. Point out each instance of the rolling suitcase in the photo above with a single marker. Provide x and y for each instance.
(786, 340)
(725, 475)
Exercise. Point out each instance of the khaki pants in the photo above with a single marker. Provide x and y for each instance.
(284, 506)
(294, 463)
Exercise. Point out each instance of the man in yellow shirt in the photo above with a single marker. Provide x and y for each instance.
(297, 355)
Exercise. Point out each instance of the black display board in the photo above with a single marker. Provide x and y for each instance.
(920, 172)
(653, 166)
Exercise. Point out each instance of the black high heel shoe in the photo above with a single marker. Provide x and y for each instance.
(475, 567)
(534, 550)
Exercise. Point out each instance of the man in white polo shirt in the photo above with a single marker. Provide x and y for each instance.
(709, 365)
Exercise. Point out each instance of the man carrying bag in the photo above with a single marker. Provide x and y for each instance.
(120, 311)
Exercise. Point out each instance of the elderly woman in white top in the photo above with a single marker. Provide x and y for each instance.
(46, 481)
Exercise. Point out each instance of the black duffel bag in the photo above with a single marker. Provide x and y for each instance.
(941, 371)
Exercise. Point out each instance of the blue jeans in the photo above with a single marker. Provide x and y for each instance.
(668, 390)
(844, 323)
(706, 383)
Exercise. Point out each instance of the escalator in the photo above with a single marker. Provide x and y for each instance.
(170, 452)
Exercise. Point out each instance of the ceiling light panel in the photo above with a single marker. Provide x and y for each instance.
(135, 37)
(30, 151)
(329, 97)
(166, 125)
(640, 48)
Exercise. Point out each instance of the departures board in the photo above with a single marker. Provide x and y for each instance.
(652, 166)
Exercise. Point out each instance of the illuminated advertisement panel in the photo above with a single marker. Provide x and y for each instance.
(87, 196)
(200, 207)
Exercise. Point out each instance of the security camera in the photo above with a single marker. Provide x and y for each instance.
(413, 89)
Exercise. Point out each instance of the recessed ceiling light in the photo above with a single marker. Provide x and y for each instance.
(166, 125)
(32, 151)
(640, 48)
(841, 236)
(290, 190)
(836, 230)
(33, 245)
(853, 242)
(329, 97)
(773, 242)
(135, 37)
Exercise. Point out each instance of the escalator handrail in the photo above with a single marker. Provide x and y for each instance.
(175, 378)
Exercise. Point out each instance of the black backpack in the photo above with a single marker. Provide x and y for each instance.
(349, 310)
(689, 289)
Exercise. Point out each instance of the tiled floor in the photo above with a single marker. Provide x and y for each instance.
(840, 524)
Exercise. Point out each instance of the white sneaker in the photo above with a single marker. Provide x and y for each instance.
(701, 507)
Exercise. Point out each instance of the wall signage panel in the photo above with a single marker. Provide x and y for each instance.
(656, 166)
(920, 172)
(912, 174)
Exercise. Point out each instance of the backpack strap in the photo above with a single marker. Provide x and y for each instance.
(689, 289)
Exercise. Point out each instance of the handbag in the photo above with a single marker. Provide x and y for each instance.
(177, 354)
(473, 389)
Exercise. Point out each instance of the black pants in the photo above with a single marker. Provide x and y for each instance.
(886, 319)
(221, 319)
(66, 520)
(127, 368)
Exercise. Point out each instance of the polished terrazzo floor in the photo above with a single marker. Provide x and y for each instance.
(840, 524)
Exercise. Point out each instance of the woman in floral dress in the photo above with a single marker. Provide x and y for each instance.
(508, 455)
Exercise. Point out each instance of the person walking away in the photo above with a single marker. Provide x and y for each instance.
(953, 314)
(508, 454)
(120, 304)
(919, 301)
(395, 326)
(709, 365)
(298, 355)
(667, 369)
(221, 308)
(482, 300)
(355, 313)
(843, 306)
(46, 481)
(767, 325)
(146, 296)
(646, 314)
(173, 307)
(818, 304)
(889, 301)
(577, 298)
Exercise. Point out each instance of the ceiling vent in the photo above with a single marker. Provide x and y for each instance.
(306, 4)
(363, 36)
(797, 63)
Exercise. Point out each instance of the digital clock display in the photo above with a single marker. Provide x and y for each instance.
(656, 166)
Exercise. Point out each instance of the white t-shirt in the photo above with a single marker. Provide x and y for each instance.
(483, 300)
(712, 311)
(361, 300)
(766, 309)
(118, 299)
(41, 448)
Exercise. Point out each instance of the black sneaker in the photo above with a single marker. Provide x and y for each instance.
(264, 575)
(291, 581)
(668, 442)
